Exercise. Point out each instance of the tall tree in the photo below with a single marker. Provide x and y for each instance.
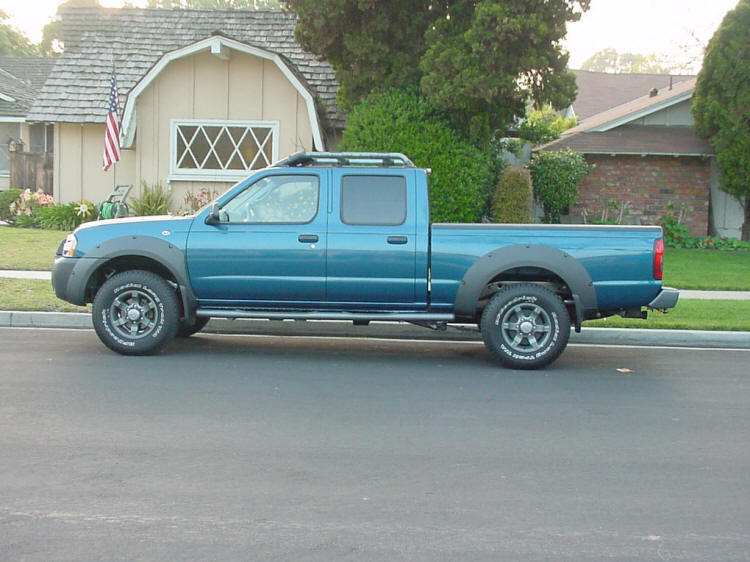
(477, 60)
(489, 57)
(721, 104)
(13, 41)
(371, 45)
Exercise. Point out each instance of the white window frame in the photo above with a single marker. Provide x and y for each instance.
(195, 174)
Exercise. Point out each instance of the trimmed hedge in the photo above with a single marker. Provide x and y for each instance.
(555, 175)
(513, 198)
(399, 121)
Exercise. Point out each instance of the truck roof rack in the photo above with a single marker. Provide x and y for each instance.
(378, 159)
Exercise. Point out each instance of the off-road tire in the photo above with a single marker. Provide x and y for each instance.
(136, 313)
(525, 326)
(185, 330)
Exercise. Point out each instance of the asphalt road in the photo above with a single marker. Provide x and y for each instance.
(267, 448)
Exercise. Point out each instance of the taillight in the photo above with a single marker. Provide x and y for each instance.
(659, 258)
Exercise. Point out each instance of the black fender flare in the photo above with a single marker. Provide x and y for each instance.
(170, 256)
(492, 264)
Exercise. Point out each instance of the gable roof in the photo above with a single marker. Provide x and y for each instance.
(612, 132)
(217, 44)
(599, 91)
(136, 39)
(21, 78)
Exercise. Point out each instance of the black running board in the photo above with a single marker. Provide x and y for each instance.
(325, 315)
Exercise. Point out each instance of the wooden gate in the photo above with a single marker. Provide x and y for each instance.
(32, 171)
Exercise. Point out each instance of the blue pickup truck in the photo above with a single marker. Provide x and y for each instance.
(347, 236)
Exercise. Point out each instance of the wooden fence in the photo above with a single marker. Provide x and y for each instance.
(33, 171)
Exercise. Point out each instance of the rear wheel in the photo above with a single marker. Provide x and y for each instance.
(136, 313)
(525, 326)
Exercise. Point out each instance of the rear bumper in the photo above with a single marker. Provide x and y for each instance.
(667, 298)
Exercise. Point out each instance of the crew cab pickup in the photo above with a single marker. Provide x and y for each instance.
(347, 236)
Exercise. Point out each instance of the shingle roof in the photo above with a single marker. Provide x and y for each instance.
(76, 91)
(21, 78)
(609, 132)
(599, 91)
(636, 139)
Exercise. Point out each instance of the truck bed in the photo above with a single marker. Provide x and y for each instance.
(619, 259)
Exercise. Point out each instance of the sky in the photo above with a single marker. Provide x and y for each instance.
(676, 28)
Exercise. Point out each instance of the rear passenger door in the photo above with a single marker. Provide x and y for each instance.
(371, 256)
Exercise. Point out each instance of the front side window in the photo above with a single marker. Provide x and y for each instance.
(275, 199)
(222, 148)
(373, 200)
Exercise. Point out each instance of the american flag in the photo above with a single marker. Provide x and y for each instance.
(112, 130)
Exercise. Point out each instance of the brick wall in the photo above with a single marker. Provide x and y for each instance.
(649, 184)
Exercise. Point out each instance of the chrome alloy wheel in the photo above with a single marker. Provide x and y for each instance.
(134, 314)
(526, 327)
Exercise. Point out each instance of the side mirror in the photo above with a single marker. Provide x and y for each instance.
(213, 216)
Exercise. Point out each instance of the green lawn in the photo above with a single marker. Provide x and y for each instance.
(33, 294)
(22, 294)
(28, 248)
(689, 315)
(707, 269)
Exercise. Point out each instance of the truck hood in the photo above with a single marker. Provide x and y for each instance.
(135, 230)
(166, 220)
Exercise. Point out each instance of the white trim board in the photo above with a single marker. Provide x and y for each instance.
(638, 114)
(216, 44)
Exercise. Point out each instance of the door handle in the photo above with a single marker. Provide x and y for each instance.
(308, 238)
(397, 239)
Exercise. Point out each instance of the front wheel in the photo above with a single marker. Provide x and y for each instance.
(525, 326)
(136, 313)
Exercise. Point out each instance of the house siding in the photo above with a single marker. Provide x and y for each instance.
(78, 172)
(648, 184)
(201, 86)
(677, 115)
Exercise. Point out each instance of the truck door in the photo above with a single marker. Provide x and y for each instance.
(372, 235)
(269, 247)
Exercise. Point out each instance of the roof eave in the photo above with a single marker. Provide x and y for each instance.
(215, 44)
(643, 112)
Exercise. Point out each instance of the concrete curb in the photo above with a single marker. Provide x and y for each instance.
(396, 330)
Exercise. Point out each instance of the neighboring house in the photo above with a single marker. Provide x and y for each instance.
(646, 155)
(21, 78)
(600, 91)
(205, 97)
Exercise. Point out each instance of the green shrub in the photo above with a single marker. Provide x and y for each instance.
(58, 217)
(676, 234)
(399, 121)
(555, 175)
(513, 198)
(6, 198)
(544, 125)
(154, 200)
(28, 221)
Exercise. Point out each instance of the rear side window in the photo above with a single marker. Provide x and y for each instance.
(373, 200)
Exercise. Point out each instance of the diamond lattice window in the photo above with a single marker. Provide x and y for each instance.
(228, 149)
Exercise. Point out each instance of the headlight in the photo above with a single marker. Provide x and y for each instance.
(69, 246)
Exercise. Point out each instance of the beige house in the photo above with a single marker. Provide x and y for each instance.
(205, 98)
